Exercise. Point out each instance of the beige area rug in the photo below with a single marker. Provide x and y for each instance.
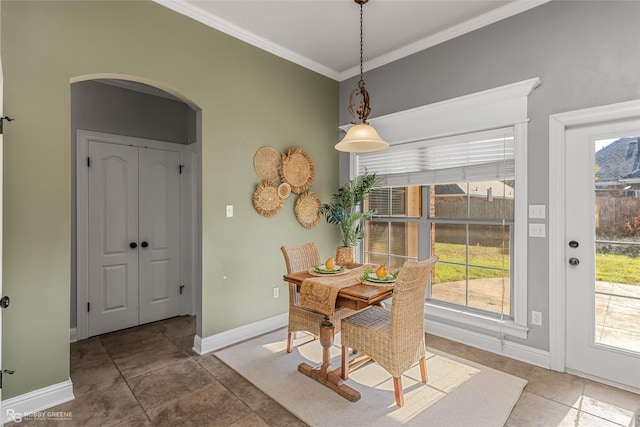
(458, 393)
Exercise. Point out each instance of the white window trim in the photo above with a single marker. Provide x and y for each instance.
(495, 108)
(439, 313)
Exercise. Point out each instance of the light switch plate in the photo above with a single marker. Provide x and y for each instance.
(536, 230)
(229, 211)
(537, 211)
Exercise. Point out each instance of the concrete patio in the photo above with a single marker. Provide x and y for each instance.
(618, 315)
(617, 307)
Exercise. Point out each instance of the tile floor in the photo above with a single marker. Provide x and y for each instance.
(149, 376)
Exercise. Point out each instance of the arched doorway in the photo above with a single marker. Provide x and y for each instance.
(114, 111)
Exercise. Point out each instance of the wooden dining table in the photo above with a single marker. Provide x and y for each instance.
(356, 297)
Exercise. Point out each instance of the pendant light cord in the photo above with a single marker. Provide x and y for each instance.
(360, 111)
(361, 43)
(361, 138)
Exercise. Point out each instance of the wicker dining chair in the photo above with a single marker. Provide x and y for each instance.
(393, 338)
(302, 258)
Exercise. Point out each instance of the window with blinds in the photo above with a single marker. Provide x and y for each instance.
(392, 237)
(479, 156)
(393, 201)
(464, 190)
(462, 163)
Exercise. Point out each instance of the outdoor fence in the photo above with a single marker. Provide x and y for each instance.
(616, 218)
(481, 208)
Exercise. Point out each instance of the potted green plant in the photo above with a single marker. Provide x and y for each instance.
(345, 210)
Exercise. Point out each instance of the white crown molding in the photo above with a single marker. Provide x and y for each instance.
(190, 10)
(194, 12)
(506, 11)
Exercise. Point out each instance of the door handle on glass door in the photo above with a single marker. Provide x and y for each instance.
(574, 261)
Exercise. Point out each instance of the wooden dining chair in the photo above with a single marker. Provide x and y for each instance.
(302, 258)
(393, 338)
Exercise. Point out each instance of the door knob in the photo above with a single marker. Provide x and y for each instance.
(133, 245)
(4, 302)
(574, 261)
(144, 244)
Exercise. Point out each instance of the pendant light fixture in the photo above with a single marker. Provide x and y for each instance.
(362, 137)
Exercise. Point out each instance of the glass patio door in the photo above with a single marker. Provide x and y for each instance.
(603, 251)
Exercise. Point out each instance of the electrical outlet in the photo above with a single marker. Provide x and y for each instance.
(536, 318)
(276, 292)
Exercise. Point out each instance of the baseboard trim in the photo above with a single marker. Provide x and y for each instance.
(233, 336)
(37, 400)
(490, 343)
(73, 334)
(197, 345)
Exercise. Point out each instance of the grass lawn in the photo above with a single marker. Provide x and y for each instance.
(618, 269)
(609, 267)
(482, 256)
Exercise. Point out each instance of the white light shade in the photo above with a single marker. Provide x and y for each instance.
(361, 138)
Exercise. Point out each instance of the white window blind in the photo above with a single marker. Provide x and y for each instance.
(478, 156)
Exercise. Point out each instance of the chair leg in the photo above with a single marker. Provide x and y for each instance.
(289, 342)
(423, 370)
(344, 371)
(397, 388)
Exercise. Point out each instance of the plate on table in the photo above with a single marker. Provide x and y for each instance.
(371, 276)
(322, 270)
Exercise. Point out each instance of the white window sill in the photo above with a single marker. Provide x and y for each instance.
(507, 326)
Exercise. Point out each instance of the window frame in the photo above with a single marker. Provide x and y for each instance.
(468, 222)
(402, 219)
(495, 108)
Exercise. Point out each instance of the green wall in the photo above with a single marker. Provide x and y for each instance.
(249, 99)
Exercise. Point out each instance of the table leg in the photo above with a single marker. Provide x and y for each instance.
(325, 374)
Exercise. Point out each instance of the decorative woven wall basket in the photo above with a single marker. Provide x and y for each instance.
(284, 190)
(307, 209)
(297, 170)
(267, 163)
(266, 199)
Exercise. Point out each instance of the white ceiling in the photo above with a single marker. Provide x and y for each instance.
(324, 35)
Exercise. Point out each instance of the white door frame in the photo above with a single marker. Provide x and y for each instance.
(558, 124)
(189, 200)
(2, 415)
